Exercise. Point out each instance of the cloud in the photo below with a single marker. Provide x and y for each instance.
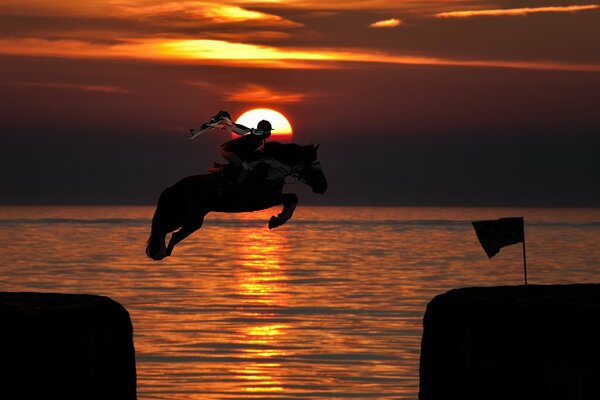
(182, 51)
(75, 86)
(515, 11)
(220, 52)
(387, 23)
(254, 35)
(251, 93)
(215, 13)
(65, 48)
(342, 5)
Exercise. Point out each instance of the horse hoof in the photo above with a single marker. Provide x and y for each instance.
(160, 255)
(274, 223)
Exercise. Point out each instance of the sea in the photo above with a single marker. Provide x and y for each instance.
(330, 305)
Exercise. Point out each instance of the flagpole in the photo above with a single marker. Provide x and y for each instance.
(524, 255)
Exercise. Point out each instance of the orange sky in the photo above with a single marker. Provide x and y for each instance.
(149, 70)
(285, 34)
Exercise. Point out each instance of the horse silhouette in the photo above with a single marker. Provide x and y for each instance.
(183, 206)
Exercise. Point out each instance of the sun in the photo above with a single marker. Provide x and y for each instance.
(282, 130)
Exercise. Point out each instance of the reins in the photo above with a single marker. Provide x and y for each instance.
(296, 169)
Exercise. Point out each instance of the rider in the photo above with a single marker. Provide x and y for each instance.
(243, 149)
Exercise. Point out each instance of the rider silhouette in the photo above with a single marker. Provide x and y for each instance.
(244, 149)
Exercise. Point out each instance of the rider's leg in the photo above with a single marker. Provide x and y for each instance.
(237, 163)
(232, 157)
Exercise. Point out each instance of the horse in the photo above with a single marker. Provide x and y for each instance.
(182, 207)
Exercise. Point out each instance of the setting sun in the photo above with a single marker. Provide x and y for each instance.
(281, 126)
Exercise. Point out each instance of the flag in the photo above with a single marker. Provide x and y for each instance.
(495, 234)
(222, 121)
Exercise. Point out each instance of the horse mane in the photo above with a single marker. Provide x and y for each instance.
(288, 153)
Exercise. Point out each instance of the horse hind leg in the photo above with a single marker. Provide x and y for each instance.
(290, 201)
(185, 231)
(156, 247)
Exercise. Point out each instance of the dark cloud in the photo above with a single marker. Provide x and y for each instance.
(566, 37)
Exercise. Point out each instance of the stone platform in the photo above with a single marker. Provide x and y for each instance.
(513, 342)
(63, 346)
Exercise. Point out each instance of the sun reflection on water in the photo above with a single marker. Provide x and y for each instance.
(261, 279)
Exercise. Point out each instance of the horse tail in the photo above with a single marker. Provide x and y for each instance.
(161, 225)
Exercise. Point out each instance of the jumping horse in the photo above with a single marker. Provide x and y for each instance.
(182, 207)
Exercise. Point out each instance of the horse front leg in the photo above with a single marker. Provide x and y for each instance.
(185, 231)
(289, 201)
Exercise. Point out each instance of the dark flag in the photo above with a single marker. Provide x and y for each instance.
(495, 234)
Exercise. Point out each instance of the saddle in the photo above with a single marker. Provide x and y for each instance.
(227, 173)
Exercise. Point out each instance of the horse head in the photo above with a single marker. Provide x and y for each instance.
(311, 173)
(304, 161)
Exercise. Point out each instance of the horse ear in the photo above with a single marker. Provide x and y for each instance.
(317, 146)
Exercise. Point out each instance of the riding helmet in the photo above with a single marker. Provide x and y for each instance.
(265, 126)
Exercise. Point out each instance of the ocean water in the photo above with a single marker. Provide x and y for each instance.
(328, 306)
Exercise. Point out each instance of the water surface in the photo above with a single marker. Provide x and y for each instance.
(329, 306)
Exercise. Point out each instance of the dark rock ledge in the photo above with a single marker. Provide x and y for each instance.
(64, 346)
(517, 342)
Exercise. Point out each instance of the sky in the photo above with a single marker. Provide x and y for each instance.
(416, 103)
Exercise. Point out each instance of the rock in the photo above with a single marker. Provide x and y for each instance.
(518, 342)
(62, 346)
